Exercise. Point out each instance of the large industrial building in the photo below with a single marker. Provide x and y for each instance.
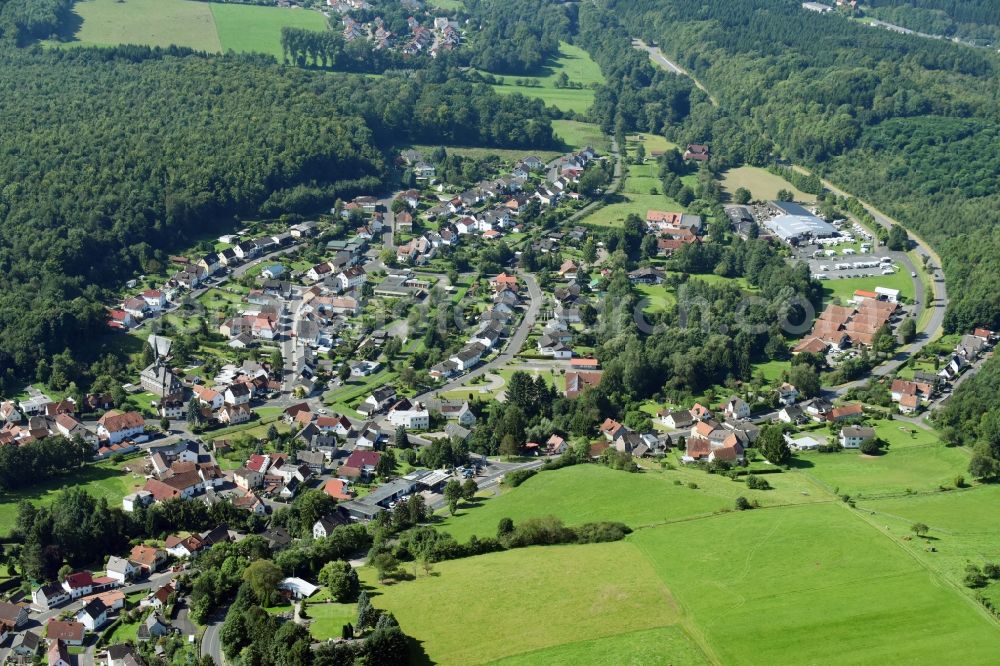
(793, 223)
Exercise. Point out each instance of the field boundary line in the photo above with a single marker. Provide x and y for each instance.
(940, 578)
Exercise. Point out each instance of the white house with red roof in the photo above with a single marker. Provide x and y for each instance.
(78, 584)
(155, 299)
(116, 426)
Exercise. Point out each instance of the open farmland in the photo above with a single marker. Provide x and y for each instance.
(203, 26)
(578, 67)
(832, 588)
(763, 184)
(101, 480)
(527, 593)
(576, 135)
(647, 647)
(149, 22)
(962, 529)
(585, 493)
(245, 28)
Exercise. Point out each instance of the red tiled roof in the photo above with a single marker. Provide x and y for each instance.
(79, 579)
(64, 631)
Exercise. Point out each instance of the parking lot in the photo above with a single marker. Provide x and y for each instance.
(854, 264)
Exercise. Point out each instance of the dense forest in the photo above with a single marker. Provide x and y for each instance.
(23, 20)
(113, 158)
(972, 20)
(518, 36)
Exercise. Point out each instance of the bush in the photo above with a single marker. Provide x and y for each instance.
(959, 481)
(754, 482)
(518, 476)
(742, 504)
(974, 578)
(692, 485)
(870, 447)
(601, 532)
(992, 570)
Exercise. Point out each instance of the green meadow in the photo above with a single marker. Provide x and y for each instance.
(578, 67)
(917, 462)
(521, 602)
(576, 135)
(586, 493)
(149, 22)
(763, 184)
(245, 28)
(647, 647)
(963, 529)
(204, 26)
(817, 581)
(641, 192)
(101, 480)
(813, 585)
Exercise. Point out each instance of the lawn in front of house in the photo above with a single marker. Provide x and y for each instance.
(844, 288)
(917, 461)
(326, 619)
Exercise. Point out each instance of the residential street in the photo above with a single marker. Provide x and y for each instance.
(513, 347)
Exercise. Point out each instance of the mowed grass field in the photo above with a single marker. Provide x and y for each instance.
(586, 493)
(963, 529)
(809, 583)
(576, 135)
(480, 609)
(844, 288)
(763, 184)
(579, 68)
(244, 28)
(204, 26)
(813, 585)
(648, 647)
(102, 479)
(149, 22)
(918, 462)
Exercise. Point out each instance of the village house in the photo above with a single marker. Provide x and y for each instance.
(119, 569)
(360, 465)
(67, 632)
(680, 419)
(50, 595)
(115, 426)
(78, 584)
(736, 408)
(148, 559)
(409, 415)
(93, 615)
(787, 394)
(852, 437)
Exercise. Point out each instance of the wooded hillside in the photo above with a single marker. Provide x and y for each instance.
(110, 159)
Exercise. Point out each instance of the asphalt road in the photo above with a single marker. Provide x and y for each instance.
(656, 55)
